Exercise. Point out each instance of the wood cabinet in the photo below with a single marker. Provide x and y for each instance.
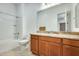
(34, 44)
(70, 47)
(52, 46)
(43, 48)
(70, 50)
(72, 42)
(49, 46)
(54, 49)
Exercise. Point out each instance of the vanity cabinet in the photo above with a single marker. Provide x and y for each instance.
(70, 47)
(54, 49)
(70, 50)
(52, 46)
(34, 44)
(49, 46)
(43, 48)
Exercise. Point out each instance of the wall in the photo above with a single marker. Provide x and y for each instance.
(19, 20)
(28, 12)
(7, 28)
(31, 16)
(48, 17)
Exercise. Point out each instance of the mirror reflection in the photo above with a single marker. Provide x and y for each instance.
(56, 18)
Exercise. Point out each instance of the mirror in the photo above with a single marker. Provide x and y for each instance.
(57, 19)
(77, 15)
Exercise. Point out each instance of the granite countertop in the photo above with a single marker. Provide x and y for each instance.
(60, 35)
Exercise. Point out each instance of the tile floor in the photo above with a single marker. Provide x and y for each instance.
(18, 52)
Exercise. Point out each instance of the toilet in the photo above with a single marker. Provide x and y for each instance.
(23, 43)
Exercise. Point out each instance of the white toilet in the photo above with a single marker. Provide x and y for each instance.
(23, 43)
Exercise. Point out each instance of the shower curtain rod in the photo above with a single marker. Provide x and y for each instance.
(10, 14)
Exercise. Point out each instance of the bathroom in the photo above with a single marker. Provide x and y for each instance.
(19, 20)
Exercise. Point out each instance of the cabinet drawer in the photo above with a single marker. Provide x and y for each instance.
(50, 39)
(34, 36)
(72, 42)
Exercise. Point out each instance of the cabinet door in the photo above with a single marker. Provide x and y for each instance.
(70, 51)
(54, 49)
(43, 48)
(34, 45)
